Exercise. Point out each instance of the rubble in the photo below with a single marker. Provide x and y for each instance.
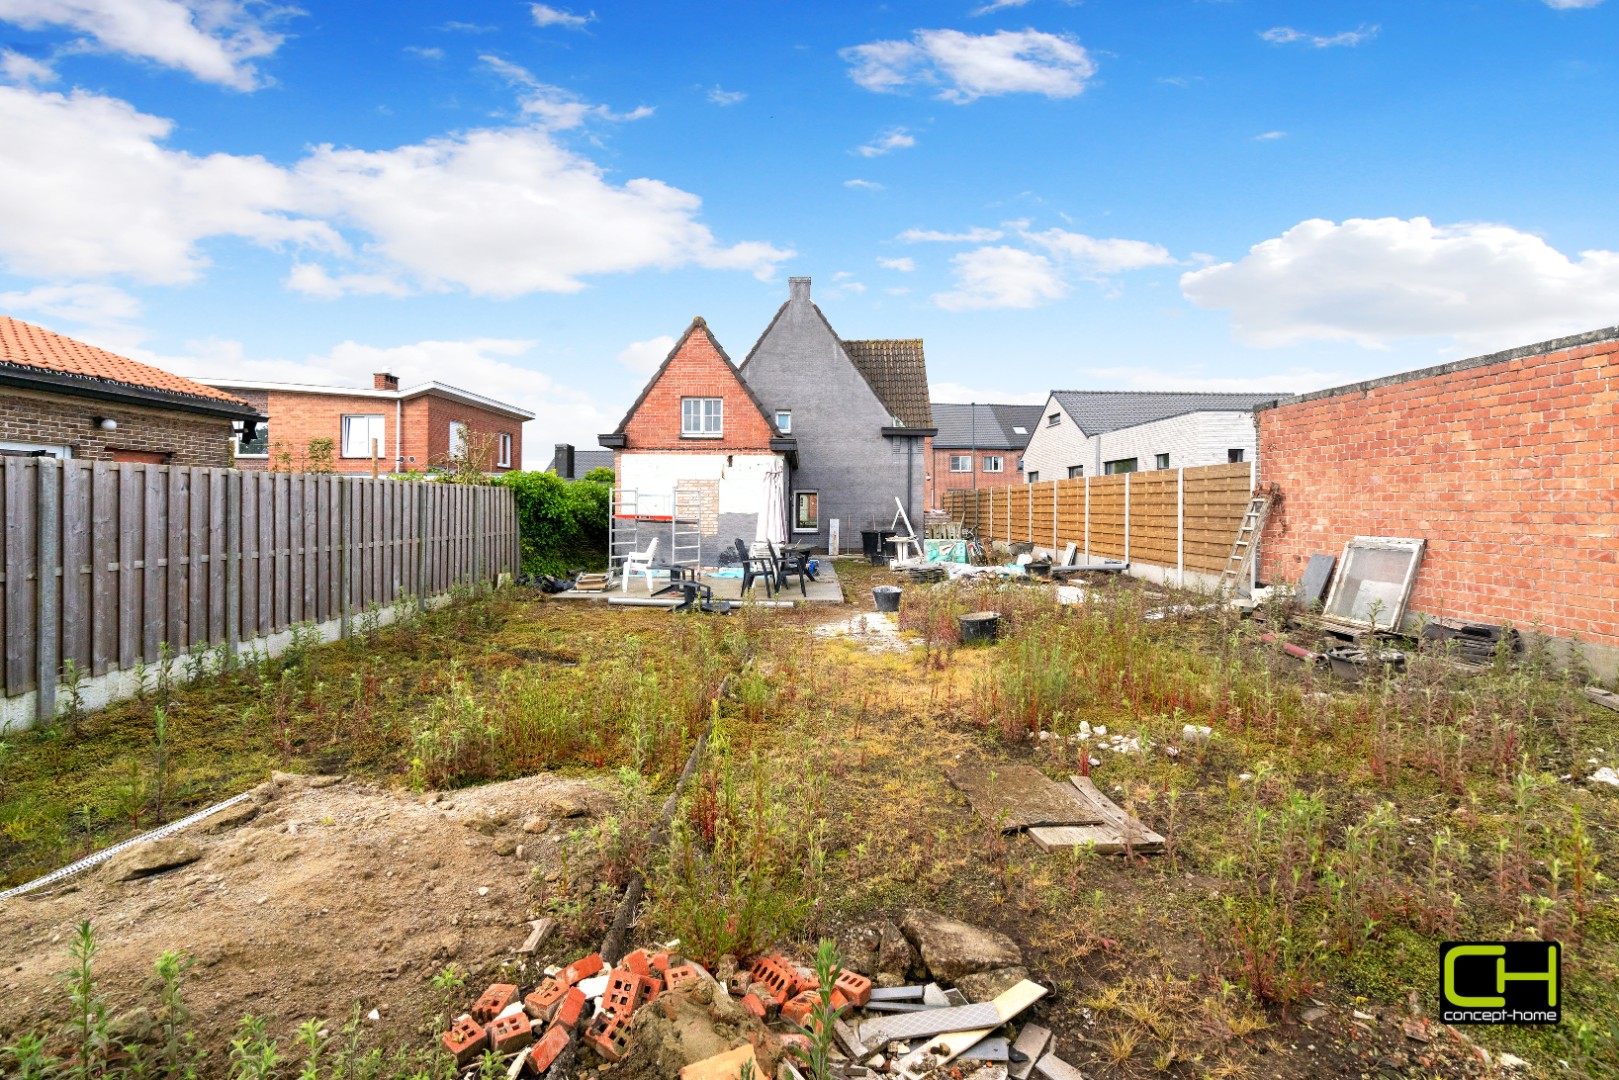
(952, 949)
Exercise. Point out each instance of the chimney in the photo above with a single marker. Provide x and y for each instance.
(798, 288)
(384, 381)
(564, 460)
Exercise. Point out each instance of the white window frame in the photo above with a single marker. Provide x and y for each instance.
(1160, 461)
(62, 453)
(376, 428)
(696, 415)
(961, 463)
(784, 421)
(815, 528)
(999, 463)
(460, 439)
(505, 461)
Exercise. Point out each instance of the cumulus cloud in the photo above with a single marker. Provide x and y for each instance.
(644, 357)
(1566, 4)
(720, 96)
(1096, 256)
(552, 106)
(962, 394)
(546, 15)
(1294, 380)
(1001, 277)
(903, 265)
(84, 303)
(863, 185)
(214, 40)
(1373, 281)
(965, 67)
(890, 140)
(1286, 35)
(20, 70)
(92, 192)
(971, 236)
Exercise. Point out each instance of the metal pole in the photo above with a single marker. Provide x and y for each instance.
(48, 549)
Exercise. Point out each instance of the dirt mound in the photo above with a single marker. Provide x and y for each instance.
(326, 895)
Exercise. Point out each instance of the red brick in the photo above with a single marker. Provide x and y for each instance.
(854, 986)
(464, 1041)
(609, 1035)
(638, 961)
(660, 961)
(177, 437)
(684, 975)
(493, 1000)
(626, 992)
(751, 1002)
(772, 975)
(546, 1050)
(543, 1002)
(700, 368)
(798, 1009)
(582, 969)
(567, 1013)
(509, 1034)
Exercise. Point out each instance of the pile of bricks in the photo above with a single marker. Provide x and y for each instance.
(583, 1001)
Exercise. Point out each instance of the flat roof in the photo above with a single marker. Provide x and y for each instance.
(389, 395)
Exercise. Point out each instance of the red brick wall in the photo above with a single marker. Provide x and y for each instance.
(1507, 468)
(940, 479)
(65, 420)
(297, 418)
(698, 370)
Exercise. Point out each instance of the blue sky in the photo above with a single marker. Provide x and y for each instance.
(532, 200)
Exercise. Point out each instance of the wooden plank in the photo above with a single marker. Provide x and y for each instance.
(282, 539)
(234, 573)
(219, 567)
(48, 597)
(104, 576)
(77, 614)
(22, 508)
(154, 553)
(197, 628)
(264, 497)
(344, 577)
(177, 602)
(310, 542)
(131, 498)
(1017, 797)
(1141, 837)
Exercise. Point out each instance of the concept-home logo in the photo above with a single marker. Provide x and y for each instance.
(1500, 982)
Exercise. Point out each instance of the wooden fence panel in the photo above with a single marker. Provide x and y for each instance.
(21, 508)
(77, 610)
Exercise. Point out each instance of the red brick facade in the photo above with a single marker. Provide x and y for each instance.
(417, 429)
(1508, 466)
(940, 479)
(179, 438)
(699, 368)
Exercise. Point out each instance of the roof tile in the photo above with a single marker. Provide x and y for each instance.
(898, 374)
(26, 345)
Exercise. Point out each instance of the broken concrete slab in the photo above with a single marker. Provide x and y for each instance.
(1018, 797)
(1605, 698)
(726, 1066)
(895, 953)
(986, 1015)
(989, 985)
(153, 857)
(897, 993)
(948, 1046)
(990, 1049)
(952, 949)
(1031, 1045)
(539, 930)
(1053, 1067)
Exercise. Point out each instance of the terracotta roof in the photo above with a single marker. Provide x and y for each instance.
(898, 374)
(26, 345)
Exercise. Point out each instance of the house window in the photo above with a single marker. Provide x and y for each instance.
(1235, 456)
(961, 463)
(358, 431)
(1075, 471)
(505, 461)
(701, 417)
(459, 439)
(784, 421)
(992, 463)
(1034, 477)
(22, 449)
(1161, 461)
(1122, 465)
(806, 511)
(1054, 419)
(258, 445)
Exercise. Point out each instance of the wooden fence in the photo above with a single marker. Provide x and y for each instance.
(105, 563)
(1185, 519)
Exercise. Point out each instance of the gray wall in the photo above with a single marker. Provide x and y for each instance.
(838, 421)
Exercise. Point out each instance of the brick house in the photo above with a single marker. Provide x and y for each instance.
(64, 398)
(413, 429)
(697, 427)
(1504, 464)
(859, 411)
(978, 446)
(1100, 432)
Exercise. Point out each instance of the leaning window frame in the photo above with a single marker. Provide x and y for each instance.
(799, 493)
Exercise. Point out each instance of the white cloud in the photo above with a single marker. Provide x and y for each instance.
(645, 357)
(546, 15)
(863, 185)
(961, 393)
(1373, 281)
(903, 265)
(1286, 35)
(1094, 256)
(86, 303)
(91, 192)
(314, 280)
(1567, 4)
(552, 106)
(1294, 380)
(997, 5)
(971, 236)
(215, 40)
(426, 52)
(1270, 136)
(454, 27)
(20, 70)
(966, 67)
(890, 140)
(720, 96)
(1001, 277)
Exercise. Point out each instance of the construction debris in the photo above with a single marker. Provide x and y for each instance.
(1607, 699)
(1020, 798)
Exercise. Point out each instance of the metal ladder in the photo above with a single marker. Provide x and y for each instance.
(686, 527)
(1242, 551)
(623, 529)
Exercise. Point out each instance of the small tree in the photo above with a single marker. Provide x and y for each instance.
(470, 462)
(319, 456)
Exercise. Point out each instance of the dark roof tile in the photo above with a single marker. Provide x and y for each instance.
(898, 374)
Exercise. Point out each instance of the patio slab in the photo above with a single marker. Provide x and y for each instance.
(824, 590)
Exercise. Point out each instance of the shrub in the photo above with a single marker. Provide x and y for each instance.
(563, 524)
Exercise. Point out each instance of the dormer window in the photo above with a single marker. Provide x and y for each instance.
(1054, 419)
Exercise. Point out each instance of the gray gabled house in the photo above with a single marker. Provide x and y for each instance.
(860, 413)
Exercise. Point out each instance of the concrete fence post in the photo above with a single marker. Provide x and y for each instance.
(1054, 517)
(1180, 527)
(420, 491)
(344, 531)
(48, 607)
(1253, 562)
(1087, 519)
(233, 566)
(1127, 517)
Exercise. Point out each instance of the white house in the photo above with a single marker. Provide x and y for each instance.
(1096, 432)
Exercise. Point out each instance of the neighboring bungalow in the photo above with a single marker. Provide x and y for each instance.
(1097, 432)
(66, 399)
(978, 446)
(384, 430)
(571, 464)
(860, 414)
(697, 430)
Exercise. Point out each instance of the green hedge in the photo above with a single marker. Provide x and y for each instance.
(563, 524)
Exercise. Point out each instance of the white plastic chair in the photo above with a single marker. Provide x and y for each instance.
(640, 562)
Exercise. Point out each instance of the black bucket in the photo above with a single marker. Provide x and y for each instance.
(887, 597)
(980, 627)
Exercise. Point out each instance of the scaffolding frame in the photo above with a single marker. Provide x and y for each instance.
(635, 517)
